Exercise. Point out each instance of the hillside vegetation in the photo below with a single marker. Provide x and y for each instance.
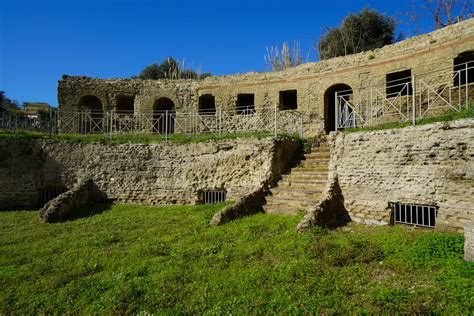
(140, 260)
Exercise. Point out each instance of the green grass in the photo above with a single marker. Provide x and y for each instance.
(448, 116)
(135, 138)
(167, 260)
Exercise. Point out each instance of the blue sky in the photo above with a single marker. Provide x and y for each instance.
(42, 40)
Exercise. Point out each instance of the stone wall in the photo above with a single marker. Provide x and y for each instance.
(72, 89)
(430, 164)
(161, 173)
(313, 81)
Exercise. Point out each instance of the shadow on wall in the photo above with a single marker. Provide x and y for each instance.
(26, 170)
(330, 212)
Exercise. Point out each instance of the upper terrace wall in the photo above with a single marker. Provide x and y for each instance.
(313, 81)
(144, 92)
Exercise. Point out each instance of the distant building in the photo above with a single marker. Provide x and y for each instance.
(33, 109)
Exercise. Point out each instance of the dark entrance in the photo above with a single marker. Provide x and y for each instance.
(163, 116)
(464, 66)
(125, 105)
(330, 104)
(91, 120)
(207, 104)
(245, 104)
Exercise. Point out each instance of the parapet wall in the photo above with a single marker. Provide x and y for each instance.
(431, 165)
(161, 173)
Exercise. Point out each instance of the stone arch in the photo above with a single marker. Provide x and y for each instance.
(125, 104)
(163, 116)
(330, 104)
(463, 67)
(91, 102)
(92, 120)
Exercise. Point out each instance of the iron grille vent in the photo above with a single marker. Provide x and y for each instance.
(414, 214)
(47, 194)
(213, 196)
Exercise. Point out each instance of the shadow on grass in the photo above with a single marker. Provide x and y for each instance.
(88, 211)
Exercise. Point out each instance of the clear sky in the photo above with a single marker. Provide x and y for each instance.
(42, 40)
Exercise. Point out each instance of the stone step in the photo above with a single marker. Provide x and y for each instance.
(310, 168)
(297, 184)
(295, 202)
(297, 195)
(309, 171)
(296, 176)
(303, 186)
(321, 146)
(281, 209)
(314, 161)
(316, 155)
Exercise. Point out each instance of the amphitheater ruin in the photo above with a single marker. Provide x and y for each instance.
(421, 175)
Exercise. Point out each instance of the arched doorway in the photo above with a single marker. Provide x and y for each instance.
(344, 91)
(91, 115)
(163, 116)
(464, 68)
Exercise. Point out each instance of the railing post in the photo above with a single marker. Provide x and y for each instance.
(166, 125)
(276, 119)
(50, 121)
(219, 122)
(336, 111)
(301, 126)
(467, 86)
(111, 122)
(413, 83)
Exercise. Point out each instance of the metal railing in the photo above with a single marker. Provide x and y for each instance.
(414, 214)
(213, 196)
(45, 122)
(164, 123)
(406, 99)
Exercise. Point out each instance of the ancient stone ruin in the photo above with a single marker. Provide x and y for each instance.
(420, 174)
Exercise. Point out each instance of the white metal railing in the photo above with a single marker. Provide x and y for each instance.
(164, 123)
(406, 99)
(17, 120)
(414, 214)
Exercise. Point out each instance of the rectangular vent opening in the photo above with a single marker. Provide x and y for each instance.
(213, 196)
(47, 194)
(414, 214)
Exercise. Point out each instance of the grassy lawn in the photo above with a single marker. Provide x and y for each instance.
(446, 117)
(132, 259)
(136, 138)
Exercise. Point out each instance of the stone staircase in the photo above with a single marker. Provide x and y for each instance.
(304, 184)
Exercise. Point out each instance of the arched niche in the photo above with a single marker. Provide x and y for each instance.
(91, 114)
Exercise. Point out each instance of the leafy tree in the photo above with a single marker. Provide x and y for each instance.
(8, 104)
(170, 69)
(359, 32)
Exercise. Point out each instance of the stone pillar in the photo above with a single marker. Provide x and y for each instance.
(469, 241)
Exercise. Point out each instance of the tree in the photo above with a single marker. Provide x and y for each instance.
(359, 32)
(170, 69)
(441, 12)
(289, 57)
(8, 104)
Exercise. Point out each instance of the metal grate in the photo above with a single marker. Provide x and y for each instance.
(47, 194)
(213, 196)
(413, 214)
